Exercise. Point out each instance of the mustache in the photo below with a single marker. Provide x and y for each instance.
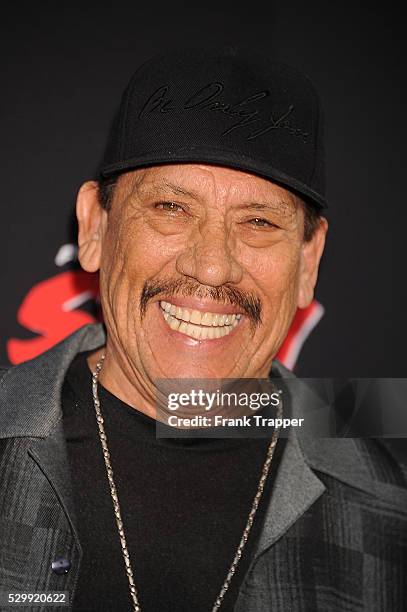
(247, 301)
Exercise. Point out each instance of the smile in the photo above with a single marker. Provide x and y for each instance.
(198, 324)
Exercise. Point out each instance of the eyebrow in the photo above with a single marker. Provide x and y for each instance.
(166, 186)
(281, 207)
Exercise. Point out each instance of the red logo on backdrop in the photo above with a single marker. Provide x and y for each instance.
(52, 310)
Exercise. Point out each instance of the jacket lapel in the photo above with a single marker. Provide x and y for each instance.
(294, 490)
(295, 487)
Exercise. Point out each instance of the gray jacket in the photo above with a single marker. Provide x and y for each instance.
(334, 536)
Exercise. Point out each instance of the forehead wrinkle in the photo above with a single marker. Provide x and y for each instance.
(163, 187)
(142, 184)
(178, 190)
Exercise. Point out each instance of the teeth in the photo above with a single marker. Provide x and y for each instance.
(183, 327)
(207, 318)
(195, 317)
(200, 318)
(174, 323)
(199, 325)
(197, 331)
(186, 315)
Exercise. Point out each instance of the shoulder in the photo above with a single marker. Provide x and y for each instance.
(30, 392)
(375, 465)
(359, 468)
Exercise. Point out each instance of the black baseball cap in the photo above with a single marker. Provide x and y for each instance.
(226, 107)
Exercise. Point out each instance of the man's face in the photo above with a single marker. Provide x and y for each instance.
(201, 270)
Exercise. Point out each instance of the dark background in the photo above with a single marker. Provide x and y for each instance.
(64, 68)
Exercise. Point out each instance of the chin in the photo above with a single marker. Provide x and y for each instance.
(186, 369)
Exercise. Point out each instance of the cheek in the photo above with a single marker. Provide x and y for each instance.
(133, 253)
(276, 274)
(141, 248)
(273, 266)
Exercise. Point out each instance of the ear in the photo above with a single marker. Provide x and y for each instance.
(310, 258)
(92, 221)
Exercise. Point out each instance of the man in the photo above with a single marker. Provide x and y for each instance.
(206, 229)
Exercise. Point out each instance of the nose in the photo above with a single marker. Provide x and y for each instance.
(209, 258)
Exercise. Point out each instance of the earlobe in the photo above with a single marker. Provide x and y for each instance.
(310, 259)
(91, 222)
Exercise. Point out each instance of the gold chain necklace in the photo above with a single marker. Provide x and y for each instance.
(116, 505)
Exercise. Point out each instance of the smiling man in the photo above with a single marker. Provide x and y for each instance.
(205, 226)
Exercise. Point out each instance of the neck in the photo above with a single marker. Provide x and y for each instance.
(114, 379)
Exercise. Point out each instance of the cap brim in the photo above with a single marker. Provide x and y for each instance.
(228, 159)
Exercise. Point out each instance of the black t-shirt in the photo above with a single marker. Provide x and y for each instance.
(184, 505)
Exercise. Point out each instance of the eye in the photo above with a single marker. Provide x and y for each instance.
(171, 207)
(259, 222)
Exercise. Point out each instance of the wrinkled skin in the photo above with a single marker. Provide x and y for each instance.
(205, 226)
